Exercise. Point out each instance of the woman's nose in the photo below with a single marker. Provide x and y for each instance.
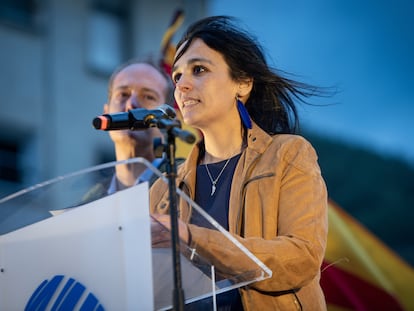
(183, 84)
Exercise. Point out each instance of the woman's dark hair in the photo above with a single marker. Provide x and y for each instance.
(271, 102)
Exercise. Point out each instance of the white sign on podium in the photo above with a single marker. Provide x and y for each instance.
(70, 244)
(104, 247)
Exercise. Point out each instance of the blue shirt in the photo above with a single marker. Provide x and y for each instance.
(217, 206)
(145, 176)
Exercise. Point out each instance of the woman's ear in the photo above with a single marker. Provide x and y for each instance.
(245, 87)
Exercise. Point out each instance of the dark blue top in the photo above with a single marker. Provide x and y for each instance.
(217, 206)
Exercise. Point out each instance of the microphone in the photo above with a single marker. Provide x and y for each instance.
(134, 119)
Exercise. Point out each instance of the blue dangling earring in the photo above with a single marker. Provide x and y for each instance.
(244, 115)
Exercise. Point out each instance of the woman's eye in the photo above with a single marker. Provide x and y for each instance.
(198, 69)
(176, 77)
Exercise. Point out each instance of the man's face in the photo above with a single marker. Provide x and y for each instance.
(136, 86)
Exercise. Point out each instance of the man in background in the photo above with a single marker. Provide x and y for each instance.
(135, 84)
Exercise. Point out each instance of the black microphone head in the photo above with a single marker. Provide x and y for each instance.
(134, 119)
(98, 123)
(168, 110)
(114, 121)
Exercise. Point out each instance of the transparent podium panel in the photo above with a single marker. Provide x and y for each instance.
(83, 242)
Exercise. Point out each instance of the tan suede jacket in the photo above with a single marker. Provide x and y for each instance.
(277, 210)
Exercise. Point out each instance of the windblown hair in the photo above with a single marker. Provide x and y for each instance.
(271, 103)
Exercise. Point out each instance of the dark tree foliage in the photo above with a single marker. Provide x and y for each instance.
(376, 190)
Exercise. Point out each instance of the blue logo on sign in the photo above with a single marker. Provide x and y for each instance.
(68, 298)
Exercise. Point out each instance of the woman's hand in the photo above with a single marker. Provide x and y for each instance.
(161, 231)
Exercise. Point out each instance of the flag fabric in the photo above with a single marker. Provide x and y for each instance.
(167, 47)
(360, 272)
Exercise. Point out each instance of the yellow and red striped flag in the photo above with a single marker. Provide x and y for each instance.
(360, 272)
(167, 47)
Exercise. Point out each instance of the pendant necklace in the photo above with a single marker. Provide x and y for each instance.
(214, 182)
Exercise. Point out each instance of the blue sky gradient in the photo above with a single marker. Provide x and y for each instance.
(363, 48)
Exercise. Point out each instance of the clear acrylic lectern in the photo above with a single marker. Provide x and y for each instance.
(75, 243)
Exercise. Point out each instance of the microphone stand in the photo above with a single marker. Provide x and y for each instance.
(173, 130)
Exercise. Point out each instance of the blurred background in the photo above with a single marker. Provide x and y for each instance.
(57, 55)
